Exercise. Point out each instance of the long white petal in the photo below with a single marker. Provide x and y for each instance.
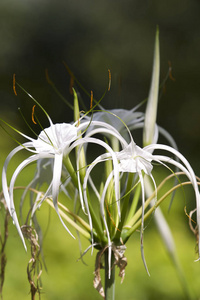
(40, 199)
(112, 133)
(4, 171)
(104, 220)
(142, 223)
(112, 154)
(18, 170)
(168, 137)
(57, 169)
(191, 176)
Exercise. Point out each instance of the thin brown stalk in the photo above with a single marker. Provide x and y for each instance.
(3, 241)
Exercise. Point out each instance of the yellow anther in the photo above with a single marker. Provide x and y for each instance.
(14, 89)
(91, 99)
(109, 76)
(33, 111)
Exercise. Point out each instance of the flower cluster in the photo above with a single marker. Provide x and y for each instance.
(128, 170)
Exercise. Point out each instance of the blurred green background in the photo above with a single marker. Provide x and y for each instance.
(92, 37)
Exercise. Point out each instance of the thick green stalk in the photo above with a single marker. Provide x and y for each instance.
(70, 169)
(96, 225)
(134, 203)
(125, 205)
(110, 199)
(82, 164)
(109, 282)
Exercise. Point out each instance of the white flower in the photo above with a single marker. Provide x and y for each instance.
(133, 159)
(118, 119)
(53, 144)
(50, 144)
(55, 139)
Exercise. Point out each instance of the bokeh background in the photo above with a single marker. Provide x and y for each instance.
(92, 37)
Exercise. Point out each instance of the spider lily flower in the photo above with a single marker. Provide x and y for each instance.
(53, 144)
(118, 119)
(136, 160)
(132, 159)
(50, 144)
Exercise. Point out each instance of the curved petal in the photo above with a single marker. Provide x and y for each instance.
(168, 137)
(4, 171)
(142, 223)
(55, 138)
(43, 174)
(179, 155)
(56, 186)
(189, 173)
(104, 220)
(10, 198)
(110, 133)
(112, 155)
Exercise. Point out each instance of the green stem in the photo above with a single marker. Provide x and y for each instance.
(125, 206)
(96, 225)
(134, 203)
(67, 163)
(109, 282)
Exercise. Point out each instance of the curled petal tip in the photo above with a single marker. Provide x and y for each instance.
(198, 259)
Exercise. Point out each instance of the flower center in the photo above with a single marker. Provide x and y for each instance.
(55, 138)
